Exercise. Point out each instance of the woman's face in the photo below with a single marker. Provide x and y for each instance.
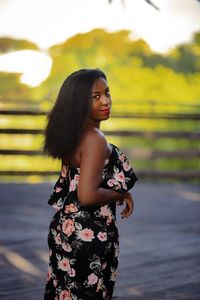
(101, 101)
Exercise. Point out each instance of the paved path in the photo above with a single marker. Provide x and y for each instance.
(159, 249)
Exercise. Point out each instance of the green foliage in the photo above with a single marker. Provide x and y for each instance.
(133, 70)
(11, 44)
(11, 87)
(140, 81)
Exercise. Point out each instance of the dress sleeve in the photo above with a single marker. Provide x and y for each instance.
(119, 174)
(129, 174)
(61, 189)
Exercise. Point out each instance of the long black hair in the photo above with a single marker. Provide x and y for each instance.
(66, 120)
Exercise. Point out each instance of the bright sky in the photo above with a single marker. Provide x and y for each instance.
(48, 22)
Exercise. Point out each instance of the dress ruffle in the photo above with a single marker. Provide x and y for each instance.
(118, 174)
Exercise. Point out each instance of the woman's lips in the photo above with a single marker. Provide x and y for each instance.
(107, 110)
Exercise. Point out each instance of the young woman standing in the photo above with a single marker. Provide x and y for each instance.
(94, 177)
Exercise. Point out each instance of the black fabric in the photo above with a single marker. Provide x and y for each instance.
(83, 241)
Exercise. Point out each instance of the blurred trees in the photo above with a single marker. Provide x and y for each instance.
(137, 76)
(134, 71)
(10, 44)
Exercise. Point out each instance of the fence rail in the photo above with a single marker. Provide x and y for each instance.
(173, 116)
(127, 133)
(142, 153)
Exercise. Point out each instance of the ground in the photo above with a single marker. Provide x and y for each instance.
(159, 244)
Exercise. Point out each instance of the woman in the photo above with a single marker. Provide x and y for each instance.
(95, 175)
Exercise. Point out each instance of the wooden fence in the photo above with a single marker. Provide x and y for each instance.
(146, 154)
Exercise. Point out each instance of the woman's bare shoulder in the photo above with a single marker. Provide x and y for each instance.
(93, 137)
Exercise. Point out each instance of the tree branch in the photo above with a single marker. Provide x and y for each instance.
(152, 4)
(147, 1)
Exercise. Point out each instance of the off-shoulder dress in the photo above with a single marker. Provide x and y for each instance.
(83, 240)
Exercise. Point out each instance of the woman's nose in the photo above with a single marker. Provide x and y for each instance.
(105, 99)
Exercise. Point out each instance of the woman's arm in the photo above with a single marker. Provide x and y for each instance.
(93, 154)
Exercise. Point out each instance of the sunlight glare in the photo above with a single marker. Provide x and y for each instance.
(20, 262)
(34, 66)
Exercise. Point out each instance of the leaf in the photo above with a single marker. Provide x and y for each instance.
(72, 261)
(78, 226)
(59, 202)
(99, 223)
(111, 233)
(58, 256)
(116, 170)
(109, 245)
(54, 232)
(73, 297)
(95, 258)
(95, 264)
(112, 269)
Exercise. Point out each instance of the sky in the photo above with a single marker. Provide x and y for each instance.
(49, 22)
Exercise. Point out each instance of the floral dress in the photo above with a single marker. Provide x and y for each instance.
(83, 241)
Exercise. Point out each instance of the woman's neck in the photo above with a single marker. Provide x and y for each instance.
(92, 124)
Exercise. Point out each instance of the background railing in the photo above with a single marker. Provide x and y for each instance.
(151, 159)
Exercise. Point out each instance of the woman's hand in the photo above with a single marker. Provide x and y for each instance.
(127, 211)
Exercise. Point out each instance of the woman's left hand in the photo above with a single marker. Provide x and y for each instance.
(128, 210)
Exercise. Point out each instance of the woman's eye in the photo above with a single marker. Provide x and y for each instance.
(96, 97)
(108, 93)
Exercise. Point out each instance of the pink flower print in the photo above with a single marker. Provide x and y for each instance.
(86, 235)
(64, 171)
(124, 185)
(113, 276)
(65, 295)
(116, 245)
(104, 265)
(55, 283)
(104, 211)
(74, 183)
(72, 272)
(76, 178)
(104, 294)
(106, 161)
(109, 218)
(122, 156)
(71, 208)
(68, 227)
(99, 284)
(58, 189)
(119, 176)
(64, 264)
(58, 239)
(110, 182)
(102, 236)
(66, 247)
(49, 273)
(56, 206)
(92, 279)
(126, 166)
(72, 186)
